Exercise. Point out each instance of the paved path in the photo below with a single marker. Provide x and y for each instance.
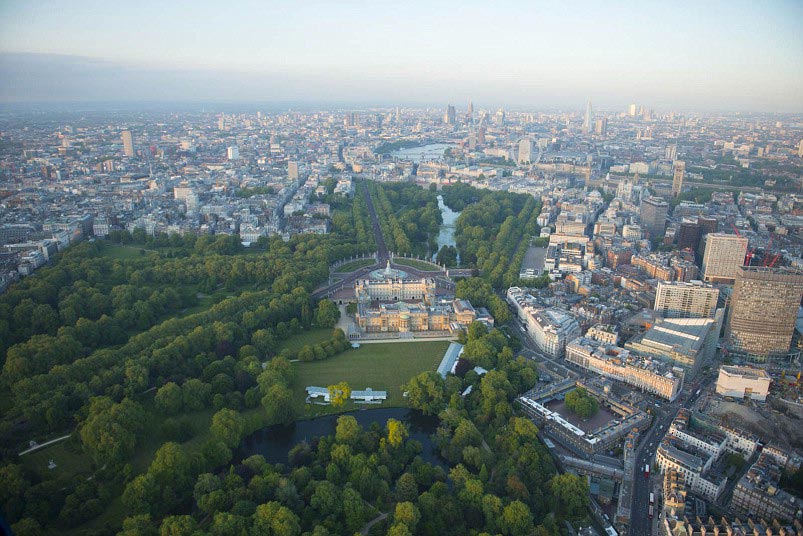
(46, 443)
(419, 339)
(373, 522)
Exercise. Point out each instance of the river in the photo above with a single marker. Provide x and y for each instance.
(446, 234)
(275, 442)
(431, 151)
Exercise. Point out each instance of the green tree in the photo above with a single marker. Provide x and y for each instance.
(516, 519)
(348, 430)
(581, 403)
(139, 525)
(273, 519)
(407, 513)
(227, 426)
(183, 525)
(397, 432)
(425, 392)
(326, 314)
(570, 493)
(169, 398)
(339, 393)
(278, 403)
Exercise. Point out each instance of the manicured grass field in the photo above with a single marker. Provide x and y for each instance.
(382, 367)
(117, 251)
(354, 265)
(70, 461)
(309, 336)
(421, 265)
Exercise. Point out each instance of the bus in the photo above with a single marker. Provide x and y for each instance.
(652, 498)
(650, 512)
(647, 471)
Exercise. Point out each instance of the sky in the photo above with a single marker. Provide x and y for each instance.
(710, 55)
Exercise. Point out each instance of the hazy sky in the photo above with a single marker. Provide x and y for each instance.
(699, 54)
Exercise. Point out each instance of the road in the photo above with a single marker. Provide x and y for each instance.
(382, 249)
(640, 523)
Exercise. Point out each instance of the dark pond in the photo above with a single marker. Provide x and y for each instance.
(275, 442)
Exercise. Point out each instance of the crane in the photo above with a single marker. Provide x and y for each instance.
(749, 255)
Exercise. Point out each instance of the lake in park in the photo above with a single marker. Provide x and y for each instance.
(431, 151)
(446, 234)
(275, 442)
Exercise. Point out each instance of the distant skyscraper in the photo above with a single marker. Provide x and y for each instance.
(128, 143)
(525, 151)
(632, 110)
(398, 115)
(686, 300)
(233, 153)
(653, 216)
(450, 116)
(292, 170)
(588, 120)
(470, 108)
(763, 311)
(723, 254)
(601, 126)
(677, 179)
(671, 152)
(800, 149)
(500, 117)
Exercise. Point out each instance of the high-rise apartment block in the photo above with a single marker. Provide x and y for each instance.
(128, 144)
(686, 300)
(763, 312)
(653, 216)
(671, 152)
(292, 170)
(601, 126)
(677, 179)
(233, 153)
(723, 254)
(525, 151)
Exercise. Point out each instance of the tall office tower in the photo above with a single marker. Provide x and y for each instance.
(128, 143)
(632, 110)
(221, 122)
(500, 117)
(671, 152)
(450, 116)
(686, 300)
(763, 312)
(707, 225)
(689, 234)
(233, 153)
(653, 213)
(292, 171)
(800, 149)
(677, 179)
(470, 108)
(601, 126)
(525, 151)
(723, 254)
(398, 115)
(589, 117)
(481, 134)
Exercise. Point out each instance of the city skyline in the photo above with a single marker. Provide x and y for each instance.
(543, 57)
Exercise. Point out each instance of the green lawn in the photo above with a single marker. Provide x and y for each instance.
(117, 251)
(421, 265)
(382, 367)
(70, 461)
(354, 265)
(308, 336)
